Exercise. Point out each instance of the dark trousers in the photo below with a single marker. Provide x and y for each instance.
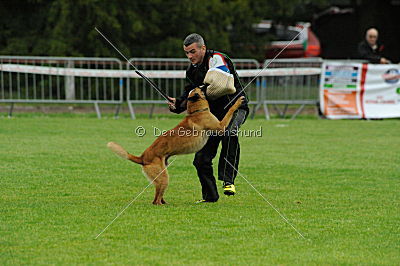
(230, 150)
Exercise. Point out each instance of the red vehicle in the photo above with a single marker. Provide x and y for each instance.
(306, 44)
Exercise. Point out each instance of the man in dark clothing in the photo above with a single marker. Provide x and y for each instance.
(370, 50)
(217, 71)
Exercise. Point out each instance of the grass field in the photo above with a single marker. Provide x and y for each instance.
(337, 182)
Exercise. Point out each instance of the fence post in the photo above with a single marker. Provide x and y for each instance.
(10, 110)
(70, 83)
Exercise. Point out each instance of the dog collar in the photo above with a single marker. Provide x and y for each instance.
(201, 110)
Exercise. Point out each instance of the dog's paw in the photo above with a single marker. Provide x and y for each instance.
(238, 102)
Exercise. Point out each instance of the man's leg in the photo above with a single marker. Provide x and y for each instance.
(231, 150)
(203, 163)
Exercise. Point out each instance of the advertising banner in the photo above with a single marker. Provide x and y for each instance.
(356, 90)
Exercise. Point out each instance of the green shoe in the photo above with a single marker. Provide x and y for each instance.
(229, 190)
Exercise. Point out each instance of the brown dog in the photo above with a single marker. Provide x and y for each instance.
(188, 136)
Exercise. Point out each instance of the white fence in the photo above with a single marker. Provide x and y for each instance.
(101, 81)
(60, 80)
(294, 88)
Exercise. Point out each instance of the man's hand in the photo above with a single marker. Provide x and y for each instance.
(171, 105)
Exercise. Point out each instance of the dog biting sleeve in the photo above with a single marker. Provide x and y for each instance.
(219, 78)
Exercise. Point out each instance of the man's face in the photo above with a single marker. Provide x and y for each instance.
(372, 37)
(195, 53)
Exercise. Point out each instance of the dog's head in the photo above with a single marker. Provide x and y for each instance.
(196, 94)
(196, 100)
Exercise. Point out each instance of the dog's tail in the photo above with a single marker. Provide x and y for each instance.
(121, 152)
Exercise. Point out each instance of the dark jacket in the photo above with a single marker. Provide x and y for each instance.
(195, 75)
(366, 52)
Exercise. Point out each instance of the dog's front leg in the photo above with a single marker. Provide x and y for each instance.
(227, 118)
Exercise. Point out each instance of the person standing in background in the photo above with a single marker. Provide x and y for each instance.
(369, 49)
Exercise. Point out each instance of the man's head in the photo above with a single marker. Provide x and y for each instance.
(194, 48)
(371, 36)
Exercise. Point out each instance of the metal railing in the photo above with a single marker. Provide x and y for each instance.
(89, 80)
(289, 89)
(16, 87)
(140, 92)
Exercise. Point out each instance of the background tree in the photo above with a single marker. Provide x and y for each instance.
(152, 28)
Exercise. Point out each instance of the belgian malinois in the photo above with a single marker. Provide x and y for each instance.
(188, 136)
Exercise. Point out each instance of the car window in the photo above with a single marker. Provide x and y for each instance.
(286, 35)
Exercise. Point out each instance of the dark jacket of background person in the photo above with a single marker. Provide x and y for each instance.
(195, 76)
(366, 52)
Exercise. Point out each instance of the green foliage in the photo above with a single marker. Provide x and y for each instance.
(151, 28)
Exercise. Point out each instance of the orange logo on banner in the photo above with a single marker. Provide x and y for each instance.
(340, 103)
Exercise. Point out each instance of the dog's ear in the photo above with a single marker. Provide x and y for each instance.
(194, 98)
(204, 87)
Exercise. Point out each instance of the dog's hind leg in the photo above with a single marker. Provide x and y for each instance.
(161, 184)
(164, 180)
(160, 189)
(157, 173)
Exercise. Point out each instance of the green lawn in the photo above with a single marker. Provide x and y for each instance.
(337, 182)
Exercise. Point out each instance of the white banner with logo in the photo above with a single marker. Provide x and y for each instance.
(355, 90)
